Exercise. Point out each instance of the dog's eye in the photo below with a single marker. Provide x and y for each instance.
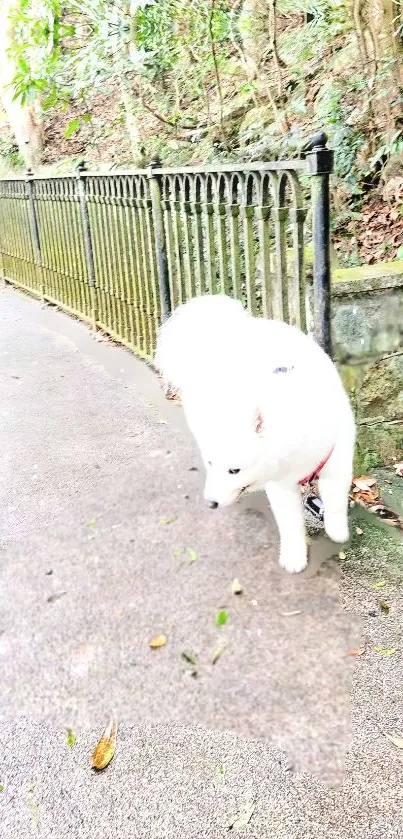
(234, 471)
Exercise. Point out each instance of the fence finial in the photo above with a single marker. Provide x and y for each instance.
(318, 141)
(318, 157)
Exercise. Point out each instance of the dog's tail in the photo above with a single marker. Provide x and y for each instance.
(189, 341)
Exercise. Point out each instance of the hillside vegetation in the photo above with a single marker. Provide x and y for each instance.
(197, 81)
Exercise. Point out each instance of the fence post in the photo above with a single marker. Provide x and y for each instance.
(89, 254)
(320, 165)
(159, 238)
(33, 217)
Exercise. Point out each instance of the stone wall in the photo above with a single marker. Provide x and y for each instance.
(367, 330)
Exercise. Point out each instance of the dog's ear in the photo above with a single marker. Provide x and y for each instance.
(258, 422)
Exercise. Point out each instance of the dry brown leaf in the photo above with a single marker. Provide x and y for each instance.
(370, 499)
(236, 587)
(157, 642)
(396, 739)
(105, 748)
(359, 651)
(365, 497)
(364, 482)
(242, 818)
(56, 596)
(216, 654)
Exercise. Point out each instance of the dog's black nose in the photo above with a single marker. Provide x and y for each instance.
(212, 504)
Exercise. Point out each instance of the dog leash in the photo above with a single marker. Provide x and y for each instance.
(315, 474)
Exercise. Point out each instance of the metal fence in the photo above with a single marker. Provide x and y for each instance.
(121, 250)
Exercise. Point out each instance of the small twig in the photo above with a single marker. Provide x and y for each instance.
(169, 122)
(385, 357)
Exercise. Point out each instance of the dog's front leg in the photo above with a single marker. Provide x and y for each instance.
(286, 504)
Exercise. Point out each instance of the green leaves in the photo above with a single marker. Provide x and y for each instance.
(189, 658)
(70, 737)
(167, 520)
(72, 127)
(386, 650)
(221, 618)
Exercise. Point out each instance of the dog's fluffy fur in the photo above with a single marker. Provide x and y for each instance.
(266, 406)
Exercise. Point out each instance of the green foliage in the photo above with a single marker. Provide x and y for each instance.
(66, 53)
(181, 69)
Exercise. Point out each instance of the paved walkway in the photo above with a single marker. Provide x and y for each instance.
(105, 543)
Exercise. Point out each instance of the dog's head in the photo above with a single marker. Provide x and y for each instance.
(233, 461)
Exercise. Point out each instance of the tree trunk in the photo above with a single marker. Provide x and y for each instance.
(381, 56)
(24, 120)
(132, 124)
(253, 29)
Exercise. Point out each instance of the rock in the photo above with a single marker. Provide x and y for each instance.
(381, 392)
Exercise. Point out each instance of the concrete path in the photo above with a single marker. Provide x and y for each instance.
(105, 543)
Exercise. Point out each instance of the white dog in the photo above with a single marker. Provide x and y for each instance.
(268, 410)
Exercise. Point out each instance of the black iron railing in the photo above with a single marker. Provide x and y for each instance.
(121, 250)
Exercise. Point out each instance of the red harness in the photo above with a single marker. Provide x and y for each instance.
(315, 474)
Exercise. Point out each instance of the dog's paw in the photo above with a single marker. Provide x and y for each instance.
(336, 528)
(294, 561)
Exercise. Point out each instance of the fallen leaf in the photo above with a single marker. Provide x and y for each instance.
(396, 739)
(385, 651)
(92, 522)
(358, 531)
(158, 641)
(221, 618)
(56, 596)
(359, 651)
(216, 654)
(370, 499)
(364, 482)
(1, 787)
(365, 498)
(386, 514)
(177, 552)
(236, 586)
(33, 805)
(398, 467)
(384, 606)
(167, 519)
(342, 555)
(192, 554)
(379, 584)
(290, 614)
(191, 659)
(33, 808)
(70, 737)
(105, 748)
(242, 818)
